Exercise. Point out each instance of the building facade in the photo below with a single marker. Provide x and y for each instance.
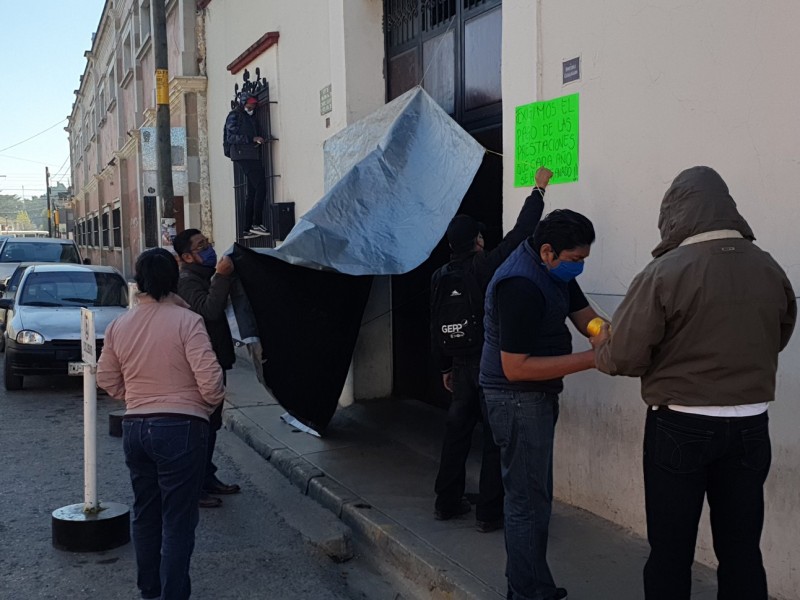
(320, 68)
(660, 88)
(112, 133)
(663, 87)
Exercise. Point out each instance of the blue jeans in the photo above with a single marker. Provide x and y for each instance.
(166, 457)
(689, 458)
(523, 425)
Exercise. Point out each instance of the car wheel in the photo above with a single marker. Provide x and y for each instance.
(13, 382)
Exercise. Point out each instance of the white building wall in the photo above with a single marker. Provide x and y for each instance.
(338, 42)
(664, 86)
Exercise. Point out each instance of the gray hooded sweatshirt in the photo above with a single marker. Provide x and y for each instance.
(703, 323)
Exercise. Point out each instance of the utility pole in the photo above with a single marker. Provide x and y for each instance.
(49, 206)
(163, 138)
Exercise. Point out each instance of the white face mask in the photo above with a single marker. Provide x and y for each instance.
(249, 111)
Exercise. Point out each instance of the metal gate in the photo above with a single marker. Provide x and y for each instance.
(260, 90)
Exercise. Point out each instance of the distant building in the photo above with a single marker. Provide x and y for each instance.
(111, 133)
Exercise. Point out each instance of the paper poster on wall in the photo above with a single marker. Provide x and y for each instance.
(547, 135)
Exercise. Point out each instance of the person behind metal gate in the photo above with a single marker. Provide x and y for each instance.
(242, 144)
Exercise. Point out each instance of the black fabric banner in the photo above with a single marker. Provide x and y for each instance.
(308, 322)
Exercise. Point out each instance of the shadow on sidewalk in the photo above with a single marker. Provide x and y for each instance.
(375, 469)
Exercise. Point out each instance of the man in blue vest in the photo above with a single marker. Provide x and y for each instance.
(526, 354)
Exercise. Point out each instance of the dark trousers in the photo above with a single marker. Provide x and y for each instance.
(256, 196)
(466, 408)
(686, 459)
(166, 459)
(214, 425)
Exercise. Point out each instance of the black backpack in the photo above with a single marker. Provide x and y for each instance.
(457, 310)
(226, 147)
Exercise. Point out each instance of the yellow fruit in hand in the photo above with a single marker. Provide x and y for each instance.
(595, 326)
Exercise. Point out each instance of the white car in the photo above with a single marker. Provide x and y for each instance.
(43, 322)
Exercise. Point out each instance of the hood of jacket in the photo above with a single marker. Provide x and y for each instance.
(697, 202)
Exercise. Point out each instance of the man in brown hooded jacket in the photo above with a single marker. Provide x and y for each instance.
(702, 325)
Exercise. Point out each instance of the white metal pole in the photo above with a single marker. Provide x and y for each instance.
(90, 438)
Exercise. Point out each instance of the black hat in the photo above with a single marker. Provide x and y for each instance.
(462, 231)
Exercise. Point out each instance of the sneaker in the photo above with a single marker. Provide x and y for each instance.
(561, 594)
(489, 526)
(259, 230)
(246, 235)
(445, 514)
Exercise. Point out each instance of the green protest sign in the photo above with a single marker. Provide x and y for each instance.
(547, 136)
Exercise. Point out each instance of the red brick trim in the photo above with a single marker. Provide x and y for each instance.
(264, 43)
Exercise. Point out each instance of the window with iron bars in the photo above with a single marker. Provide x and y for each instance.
(105, 230)
(116, 227)
(96, 231)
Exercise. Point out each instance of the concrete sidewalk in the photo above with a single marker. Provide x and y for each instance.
(375, 470)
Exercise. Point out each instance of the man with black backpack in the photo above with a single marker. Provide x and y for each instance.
(457, 296)
(242, 144)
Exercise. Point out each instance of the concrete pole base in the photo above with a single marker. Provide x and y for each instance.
(115, 422)
(77, 531)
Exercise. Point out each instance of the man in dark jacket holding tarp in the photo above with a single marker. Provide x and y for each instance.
(205, 283)
(243, 141)
(702, 325)
(460, 373)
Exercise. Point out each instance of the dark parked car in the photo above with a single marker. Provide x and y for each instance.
(43, 327)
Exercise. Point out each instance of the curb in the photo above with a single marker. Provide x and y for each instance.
(388, 541)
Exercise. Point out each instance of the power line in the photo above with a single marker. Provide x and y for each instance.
(38, 162)
(58, 172)
(33, 136)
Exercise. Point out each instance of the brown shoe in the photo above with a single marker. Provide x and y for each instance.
(215, 486)
(489, 526)
(207, 501)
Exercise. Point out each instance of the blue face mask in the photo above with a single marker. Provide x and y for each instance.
(208, 256)
(567, 271)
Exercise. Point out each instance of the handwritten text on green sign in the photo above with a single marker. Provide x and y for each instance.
(547, 136)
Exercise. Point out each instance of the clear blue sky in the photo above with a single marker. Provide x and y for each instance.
(41, 61)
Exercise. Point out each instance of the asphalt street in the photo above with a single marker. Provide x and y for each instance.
(245, 550)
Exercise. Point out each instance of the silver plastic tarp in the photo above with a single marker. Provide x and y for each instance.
(394, 180)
